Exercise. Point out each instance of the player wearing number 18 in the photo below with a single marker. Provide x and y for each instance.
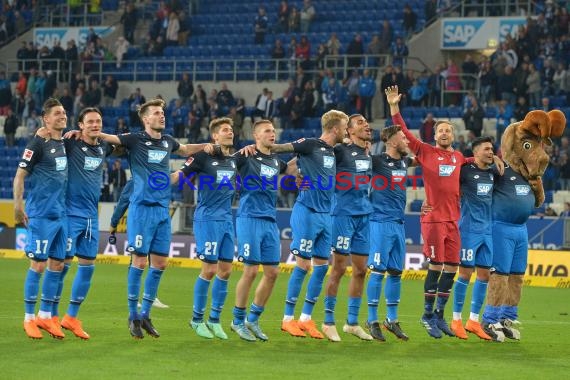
(476, 184)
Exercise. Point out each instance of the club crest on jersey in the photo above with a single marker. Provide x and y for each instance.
(446, 170)
(362, 165)
(399, 175)
(522, 190)
(165, 143)
(328, 162)
(84, 149)
(484, 188)
(267, 171)
(453, 159)
(223, 175)
(440, 158)
(28, 154)
(100, 150)
(52, 151)
(156, 156)
(276, 162)
(354, 153)
(92, 163)
(60, 163)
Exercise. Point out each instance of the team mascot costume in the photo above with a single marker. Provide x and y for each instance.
(515, 194)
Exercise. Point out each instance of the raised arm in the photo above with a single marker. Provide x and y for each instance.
(18, 185)
(393, 98)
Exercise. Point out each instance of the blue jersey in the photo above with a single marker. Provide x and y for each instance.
(85, 176)
(46, 162)
(388, 193)
(216, 184)
(147, 157)
(259, 177)
(513, 198)
(476, 187)
(353, 169)
(316, 162)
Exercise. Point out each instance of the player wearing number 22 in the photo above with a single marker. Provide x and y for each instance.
(213, 227)
(148, 224)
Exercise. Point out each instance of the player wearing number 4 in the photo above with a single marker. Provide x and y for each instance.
(213, 226)
(441, 168)
(256, 229)
(350, 232)
(476, 237)
(387, 235)
(148, 224)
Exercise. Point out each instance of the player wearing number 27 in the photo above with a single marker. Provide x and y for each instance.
(148, 224)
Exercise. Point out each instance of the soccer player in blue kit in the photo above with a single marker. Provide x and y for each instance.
(311, 220)
(215, 179)
(387, 235)
(148, 225)
(475, 227)
(256, 229)
(350, 232)
(44, 217)
(513, 203)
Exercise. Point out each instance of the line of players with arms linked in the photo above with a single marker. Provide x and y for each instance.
(361, 224)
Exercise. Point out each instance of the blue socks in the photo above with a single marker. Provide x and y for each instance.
(56, 299)
(239, 315)
(314, 287)
(133, 290)
(80, 287)
(509, 312)
(219, 294)
(31, 289)
(459, 292)
(330, 303)
(254, 312)
(491, 314)
(293, 289)
(392, 292)
(150, 289)
(49, 290)
(200, 298)
(373, 292)
(478, 297)
(353, 309)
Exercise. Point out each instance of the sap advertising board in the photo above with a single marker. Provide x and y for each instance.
(475, 33)
(48, 36)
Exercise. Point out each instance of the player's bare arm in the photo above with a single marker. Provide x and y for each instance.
(292, 168)
(282, 148)
(393, 98)
(190, 149)
(175, 177)
(19, 212)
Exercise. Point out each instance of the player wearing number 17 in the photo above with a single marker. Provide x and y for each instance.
(148, 224)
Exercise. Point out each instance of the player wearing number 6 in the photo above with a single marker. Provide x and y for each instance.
(256, 229)
(476, 184)
(213, 226)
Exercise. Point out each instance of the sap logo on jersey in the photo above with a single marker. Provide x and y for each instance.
(223, 175)
(92, 163)
(156, 156)
(522, 190)
(362, 165)
(267, 171)
(328, 162)
(446, 170)
(484, 188)
(60, 163)
(398, 175)
(459, 33)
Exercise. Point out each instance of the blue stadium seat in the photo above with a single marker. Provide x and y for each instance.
(416, 205)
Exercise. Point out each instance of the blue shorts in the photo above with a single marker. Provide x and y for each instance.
(387, 246)
(46, 238)
(311, 233)
(82, 237)
(148, 230)
(351, 234)
(476, 250)
(510, 248)
(214, 241)
(258, 241)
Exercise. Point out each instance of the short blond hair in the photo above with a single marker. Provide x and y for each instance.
(330, 119)
(440, 122)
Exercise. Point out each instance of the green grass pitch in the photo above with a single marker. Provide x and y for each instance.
(543, 352)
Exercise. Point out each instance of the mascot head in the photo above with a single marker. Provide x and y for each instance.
(523, 144)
